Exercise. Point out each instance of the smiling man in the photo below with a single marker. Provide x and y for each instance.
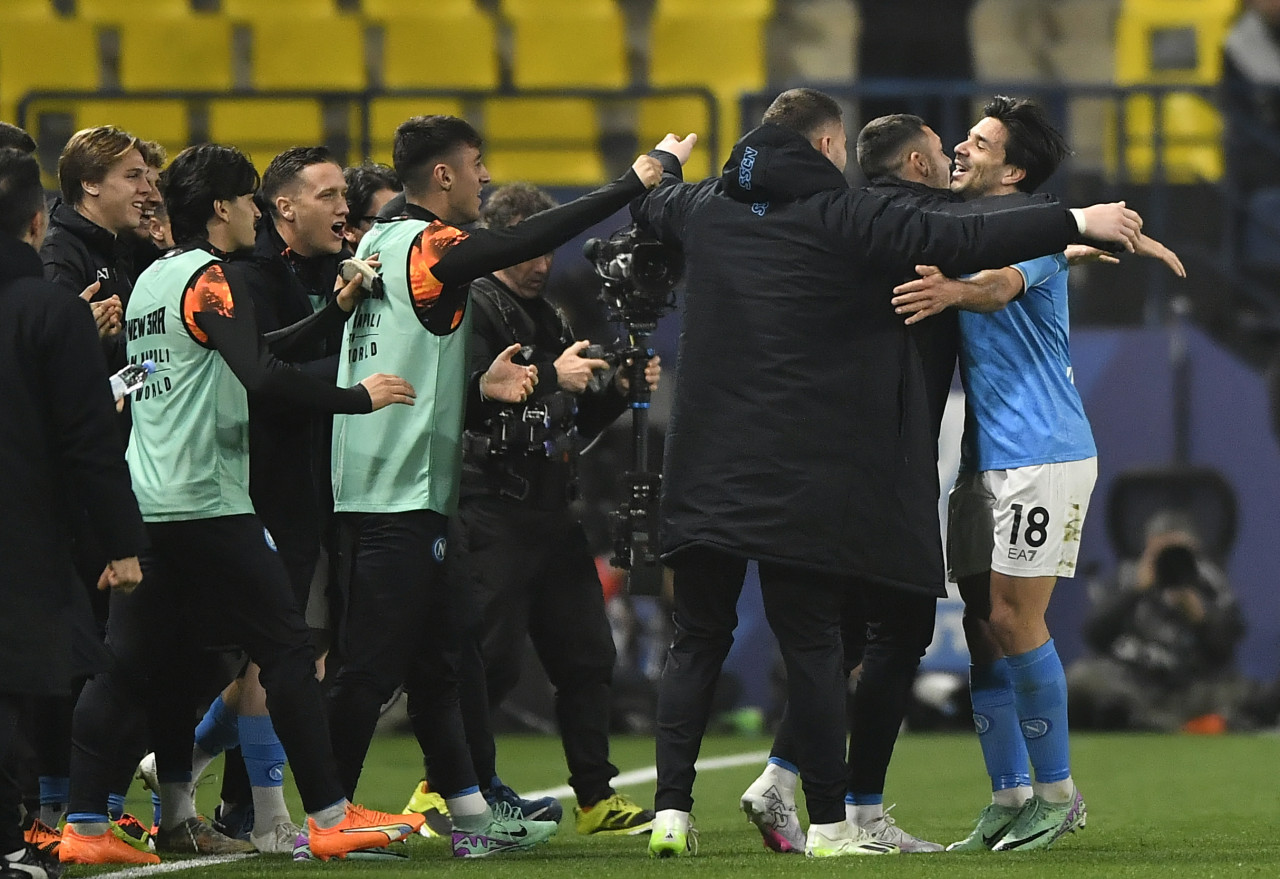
(103, 177)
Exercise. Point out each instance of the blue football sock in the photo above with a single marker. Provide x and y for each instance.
(263, 754)
(87, 818)
(1040, 697)
(785, 764)
(1003, 748)
(218, 729)
(54, 790)
(115, 806)
(155, 809)
(852, 799)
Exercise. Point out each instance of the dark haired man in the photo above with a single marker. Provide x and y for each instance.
(779, 251)
(1028, 464)
(290, 275)
(189, 462)
(399, 481)
(12, 136)
(369, 187)
(520, 557)
(59, 427)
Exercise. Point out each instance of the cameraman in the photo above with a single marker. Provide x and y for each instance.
(518, 551)
(1165, 638)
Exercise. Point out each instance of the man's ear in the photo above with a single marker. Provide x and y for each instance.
(284, 208)
(1013, 175)
(222, 209)
(824, 145)
(90, 188)
(442, 174)
(35, 230)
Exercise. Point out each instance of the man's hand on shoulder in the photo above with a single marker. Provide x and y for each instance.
(384, 390)
(1110, 222)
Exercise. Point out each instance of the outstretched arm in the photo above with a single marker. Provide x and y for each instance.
(1078, 254)
(934, 292)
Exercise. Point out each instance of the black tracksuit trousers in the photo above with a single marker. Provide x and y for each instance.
(205, 582)
(804, 610)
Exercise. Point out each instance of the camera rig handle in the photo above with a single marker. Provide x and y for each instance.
(634, 525)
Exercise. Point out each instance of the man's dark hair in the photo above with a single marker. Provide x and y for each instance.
(512, 203)
(285, 168)
(803, 110)
(21, 193)
(1033, 144)
(423, 141)
(363, 182)
(196, 178)
(13, 136)
(883, 143)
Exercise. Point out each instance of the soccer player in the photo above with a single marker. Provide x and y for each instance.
(188, 459)
(1028, 465)
(290, 275)
(398, 481)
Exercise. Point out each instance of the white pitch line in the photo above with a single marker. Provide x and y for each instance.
(635, 776)
(175, 866)
(650, 773)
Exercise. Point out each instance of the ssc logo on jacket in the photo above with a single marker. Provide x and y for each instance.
(438, 549)
(440, 309)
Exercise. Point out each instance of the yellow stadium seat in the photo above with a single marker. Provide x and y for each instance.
(386, 114)
(119, 10)
(1191, 140)
(248, 10)
(755, 8)
(162, 121)
(452, 47)
(264, 127)
(580, 45)
(189, 53)
(16, 9)
(678, 114)
(284, 54)
(414, 8)
(1171, 42)
(50, 54)
(719, 47)
(550, 141)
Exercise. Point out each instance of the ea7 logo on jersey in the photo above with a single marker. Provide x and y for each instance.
(1022, 555)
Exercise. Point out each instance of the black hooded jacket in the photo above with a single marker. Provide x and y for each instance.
(800, 431)
(63, 454)
(77, 252)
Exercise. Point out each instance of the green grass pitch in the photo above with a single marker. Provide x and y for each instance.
(1159, 806)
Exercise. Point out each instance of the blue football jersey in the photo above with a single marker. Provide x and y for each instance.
(1021, 406)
